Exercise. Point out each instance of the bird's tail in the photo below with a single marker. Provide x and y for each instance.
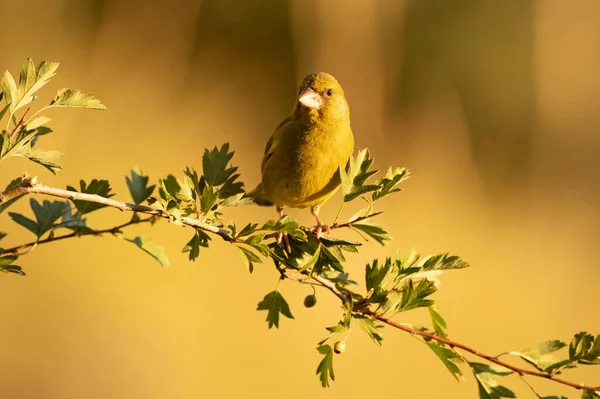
(259, 196)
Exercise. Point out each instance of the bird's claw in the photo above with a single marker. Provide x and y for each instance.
(318, 229)
(281, 236)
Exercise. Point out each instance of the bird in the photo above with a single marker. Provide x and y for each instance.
(302, 159)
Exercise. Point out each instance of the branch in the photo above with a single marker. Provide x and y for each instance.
(454, 344)
(30, 185)
(112, 230)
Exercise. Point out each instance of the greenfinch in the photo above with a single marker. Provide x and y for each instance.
(300, 167)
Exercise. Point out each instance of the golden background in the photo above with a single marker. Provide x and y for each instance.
(494, 106)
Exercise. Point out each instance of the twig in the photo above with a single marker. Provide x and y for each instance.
(453, 344)
(32, 186)
(358, 219)
(18, 125)
(112, 230)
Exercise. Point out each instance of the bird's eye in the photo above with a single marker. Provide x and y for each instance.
(329, 92)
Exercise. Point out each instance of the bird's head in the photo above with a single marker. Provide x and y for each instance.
(321, 99)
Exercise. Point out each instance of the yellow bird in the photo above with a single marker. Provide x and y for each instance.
(300, 167)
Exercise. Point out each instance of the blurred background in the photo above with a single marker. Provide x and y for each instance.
(492, 105)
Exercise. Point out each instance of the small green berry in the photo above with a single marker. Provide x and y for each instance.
(339, 347)
(310, 301)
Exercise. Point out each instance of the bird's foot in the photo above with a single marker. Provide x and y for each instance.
(281, 236)
(318, 229)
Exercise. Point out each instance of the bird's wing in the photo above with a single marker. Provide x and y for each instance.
(274, 141)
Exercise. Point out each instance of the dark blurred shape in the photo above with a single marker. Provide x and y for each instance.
(232, 34)
(483, 50)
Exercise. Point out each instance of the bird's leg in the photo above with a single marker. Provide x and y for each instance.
(320, 226)
(282, 235)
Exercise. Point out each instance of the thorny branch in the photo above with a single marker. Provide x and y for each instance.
(32, 186)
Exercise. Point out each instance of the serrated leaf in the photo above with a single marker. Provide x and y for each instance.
(587, 394)
(45, 158)
(37, 122)
(540, 355)
(255, 242)
(77, 99)
(387, 184)
(274, 304)
(374, 231)
(325, 367)
(7, 266)
(45, 213)
(443, 262)
(439, 324)
(138, 186)
(208, 199)
(97, 187)
(200, 239)
(45, 71)
(448, 357)
(11, 94)
(368, 325)
(214, 165)
(489, 388)
(284, 225)
(10, 185)
(151, 248)
(354, 178)
(247, 230)
(250, 257)
(236, 200)
(414, 296)
(72, 220)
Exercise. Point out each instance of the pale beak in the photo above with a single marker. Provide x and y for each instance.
(310, 98)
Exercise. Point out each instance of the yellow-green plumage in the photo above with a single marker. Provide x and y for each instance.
(301, 164)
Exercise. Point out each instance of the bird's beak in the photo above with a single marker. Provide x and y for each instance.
(310, 98)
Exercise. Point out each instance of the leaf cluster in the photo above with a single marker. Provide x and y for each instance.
(20, 132)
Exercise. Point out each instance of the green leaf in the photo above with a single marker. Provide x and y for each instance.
(374, 231)
(77, 99)
(151, 248)
(368, 325)
(214, 165)
(10, 185)
(488, 386)
(37, 122)
(98, 187)
(311, 261)
(208, 199)
(45, 214)
(448, 357)
(439, 324)
(2, 235)
(11, 94)
(413, 296)
(387, 184)
(274, 304)
(138, 186)
(236, 200)
(72, 220)
(540, 355)
(443, 262)
(284, 225)
(580, 345)
(353, 180)
(45, 158)
(250, 258)
(325, 368)
(587, 394)
(247, 230)
(200, 239)
(6, 264)
(32, 80)
(255, 242)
